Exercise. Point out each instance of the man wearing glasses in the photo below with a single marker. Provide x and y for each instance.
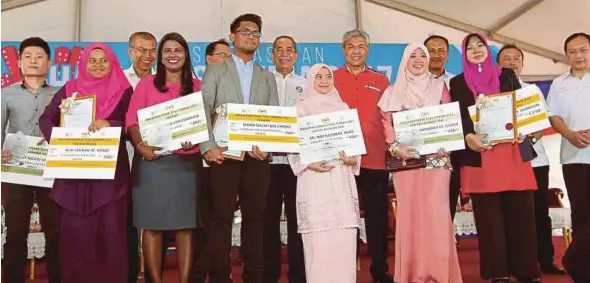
(142, 50)
(217, 52)
(283, 183)
(237, 80)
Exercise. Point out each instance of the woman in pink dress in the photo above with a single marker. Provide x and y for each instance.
(327, 200)
(424, 240)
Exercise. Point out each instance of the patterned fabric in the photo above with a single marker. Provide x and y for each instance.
(434, 161)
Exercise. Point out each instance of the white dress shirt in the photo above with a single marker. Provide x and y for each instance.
(569, 98)
(542, 159)
(447, 76)
(133, 79)
(290, 87)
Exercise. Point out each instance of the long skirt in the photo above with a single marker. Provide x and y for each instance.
(330, 256)
(424, 238)
(93, 248)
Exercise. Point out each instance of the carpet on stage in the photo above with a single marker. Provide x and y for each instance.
(468, 257)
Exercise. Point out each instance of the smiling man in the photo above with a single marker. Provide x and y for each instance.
(22, 105)
(283, 183)
(361, 88)
(237, 80)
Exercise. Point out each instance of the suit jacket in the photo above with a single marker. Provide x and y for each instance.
(461, 93)
(221, 85)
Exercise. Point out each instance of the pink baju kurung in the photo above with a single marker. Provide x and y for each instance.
(424, 238)
(327, 203)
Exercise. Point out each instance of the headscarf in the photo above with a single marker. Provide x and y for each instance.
(410, 91)
(108, 90)
(487, 81)
(315, 102)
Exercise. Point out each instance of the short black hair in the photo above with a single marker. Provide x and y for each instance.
(274, 43)
(509, 46)
(211, 46)
(142, 34)
(573, 36)
(34, 42)
(245, 18)
(434, 36)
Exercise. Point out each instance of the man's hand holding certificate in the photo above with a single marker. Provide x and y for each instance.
(270, 128)
(169, 124)
(28, 161)
(429, 129)
(532, 111)
(220, 132)
(324, 136)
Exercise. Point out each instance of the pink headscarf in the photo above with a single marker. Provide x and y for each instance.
(486, 82)
(410, 91)
(316, 103)
(108, 90)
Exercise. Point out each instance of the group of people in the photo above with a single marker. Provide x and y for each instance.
(91, 226)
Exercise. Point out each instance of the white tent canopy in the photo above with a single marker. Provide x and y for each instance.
(537, 26)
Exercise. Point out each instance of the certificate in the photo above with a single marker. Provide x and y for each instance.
(428, 129)
(28, 161)
(323, 136)
(75, 153)
(78, 111)
(220, 133)
(271, 128)
(169, 124)
(496, 116)
(531, 110)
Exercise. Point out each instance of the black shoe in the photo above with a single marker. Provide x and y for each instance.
(385, 278)
(529, 280)
(552, 269)
(501, 280)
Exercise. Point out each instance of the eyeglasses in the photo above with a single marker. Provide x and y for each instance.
(222, 55)
(145, 51)
(253, 33)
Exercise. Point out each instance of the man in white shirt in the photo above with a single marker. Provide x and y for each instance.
(569, 98)
(511, 57)
(569, 101)
(438, 48)
(283, 183)
(142, 50)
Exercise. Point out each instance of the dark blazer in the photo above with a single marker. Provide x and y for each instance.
(461, 93)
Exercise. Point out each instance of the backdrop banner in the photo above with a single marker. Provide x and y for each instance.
(384, 58)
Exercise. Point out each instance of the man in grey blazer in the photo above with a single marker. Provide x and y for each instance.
(237, 80)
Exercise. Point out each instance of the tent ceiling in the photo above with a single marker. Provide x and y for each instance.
(537, 26)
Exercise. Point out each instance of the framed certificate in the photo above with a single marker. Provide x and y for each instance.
(81, 112)
(496, 116)
(219, 124)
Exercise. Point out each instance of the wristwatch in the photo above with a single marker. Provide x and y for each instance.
(534, 140)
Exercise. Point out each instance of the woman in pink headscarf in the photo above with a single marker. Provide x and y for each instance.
(327, 200)
(499, 179)
(422, 193)
(93, 243)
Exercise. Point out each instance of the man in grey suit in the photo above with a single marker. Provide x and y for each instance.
(237, 80)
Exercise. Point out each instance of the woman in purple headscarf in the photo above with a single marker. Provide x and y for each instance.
(499, 178)
(93, 241)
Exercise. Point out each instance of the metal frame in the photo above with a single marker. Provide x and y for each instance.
(491, 34)
(13, 4)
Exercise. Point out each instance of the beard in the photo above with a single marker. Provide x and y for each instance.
(247, 50)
